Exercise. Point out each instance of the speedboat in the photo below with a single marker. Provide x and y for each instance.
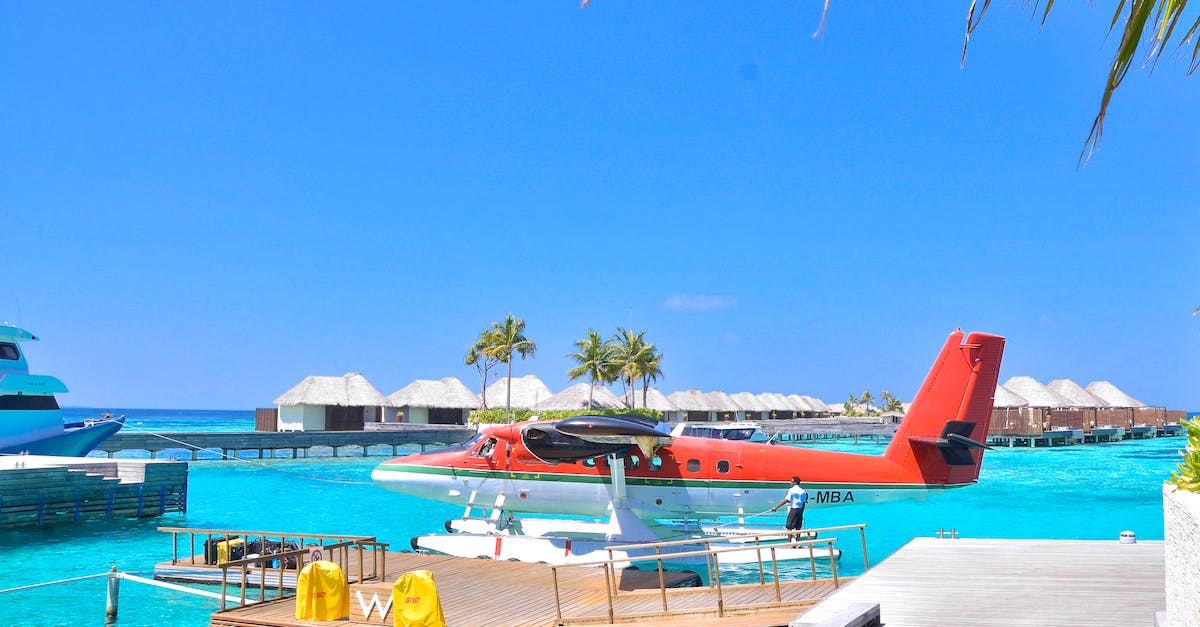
(30, 419)
(736, 430)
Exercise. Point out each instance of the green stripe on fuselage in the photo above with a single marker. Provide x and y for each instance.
(719, 484)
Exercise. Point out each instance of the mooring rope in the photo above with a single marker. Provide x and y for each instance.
(250, 462)
(53, 583)
(134, 578)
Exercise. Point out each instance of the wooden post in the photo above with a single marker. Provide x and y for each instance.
(114, 594)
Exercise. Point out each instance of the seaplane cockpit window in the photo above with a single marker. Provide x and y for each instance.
(589, 462)
(693, 465)
(656, 464)
(634, 461)
(486, 450)
(9, 351)
(722, 466)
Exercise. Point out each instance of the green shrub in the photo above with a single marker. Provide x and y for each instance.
(496, 416)
(1187, 477)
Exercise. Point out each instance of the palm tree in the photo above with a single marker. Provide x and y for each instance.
(504, 339)
(628, 348)
(890, 402)
(482, 361)
(1138, 24)
(865, 400)
(595, 360)
(647, 366)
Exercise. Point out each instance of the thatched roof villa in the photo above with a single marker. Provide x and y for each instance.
(444, 402)
(318, 403)
(1110, 394)
(1073, 392)
(576, 397)
(527, 392)
(692, 403)
(1007, 398)
(752, 408)
(1035, 393)
(655, 399)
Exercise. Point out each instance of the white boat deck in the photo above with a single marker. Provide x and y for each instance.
(933, 582)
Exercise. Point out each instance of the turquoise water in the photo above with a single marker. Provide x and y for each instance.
(1086, 492)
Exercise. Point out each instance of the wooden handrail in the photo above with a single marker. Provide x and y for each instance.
(255, 532)
(379, 565)
(609, 566)
(668, 556)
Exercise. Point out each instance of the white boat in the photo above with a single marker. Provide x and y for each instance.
(736, 430)
(30, 418)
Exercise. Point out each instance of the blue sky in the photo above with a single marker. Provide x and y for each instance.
(202, 204)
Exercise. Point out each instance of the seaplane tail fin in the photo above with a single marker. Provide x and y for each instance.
(942, 438)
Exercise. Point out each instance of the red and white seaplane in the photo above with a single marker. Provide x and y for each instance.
(637, 482)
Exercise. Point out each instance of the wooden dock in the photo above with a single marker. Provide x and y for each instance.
(274, 443)
(932, 583)
(482, 592)
(38, 490)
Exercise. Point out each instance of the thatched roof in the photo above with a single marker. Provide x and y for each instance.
(1037, 394)
(1110, 394)
(449, 393)
(801, 402)
(576, 397)
(1078, 396)
(776, 402)
(748, 402)
(690, 400)
(1007, 398)
(818, 403)
(349, 390)
(655, 399)
(527, 392)
(720, 401)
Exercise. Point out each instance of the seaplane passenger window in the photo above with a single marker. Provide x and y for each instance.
(9, 351)
(634, 461)
(693, 465)
(722, 466)
(589, 463)
(656, 464)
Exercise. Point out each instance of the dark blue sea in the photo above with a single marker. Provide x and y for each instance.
(1076, 492)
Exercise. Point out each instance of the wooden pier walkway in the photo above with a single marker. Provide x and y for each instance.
(297, 443)
(481, 592)
(37, 490)
(931, 582)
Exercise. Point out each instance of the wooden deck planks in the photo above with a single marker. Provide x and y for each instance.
(485, 593)
(931, 582)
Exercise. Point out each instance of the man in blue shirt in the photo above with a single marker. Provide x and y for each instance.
(796, 498)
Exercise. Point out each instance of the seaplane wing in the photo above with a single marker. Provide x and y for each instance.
(648, 436)
(593, 465)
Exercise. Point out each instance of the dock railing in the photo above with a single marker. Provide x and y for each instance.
(371, 563)
(753, 542)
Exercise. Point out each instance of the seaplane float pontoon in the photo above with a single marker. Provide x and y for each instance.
(30, 419)
(618, 481)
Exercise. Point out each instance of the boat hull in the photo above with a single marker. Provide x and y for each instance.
(68, 443)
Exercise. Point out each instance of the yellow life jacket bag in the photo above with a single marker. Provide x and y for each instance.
(415, 601)
(322, 593)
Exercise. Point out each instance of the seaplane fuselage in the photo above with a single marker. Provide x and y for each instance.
(584, 466)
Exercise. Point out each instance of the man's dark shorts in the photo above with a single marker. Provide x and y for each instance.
(795, 519)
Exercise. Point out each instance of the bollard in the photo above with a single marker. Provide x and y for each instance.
(114, 593)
